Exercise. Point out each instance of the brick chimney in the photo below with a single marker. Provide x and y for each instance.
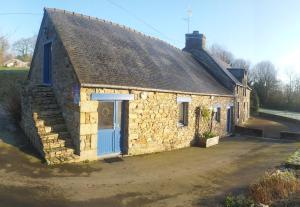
(194, 41)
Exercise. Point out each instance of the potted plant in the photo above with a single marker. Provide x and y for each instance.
(209, 139)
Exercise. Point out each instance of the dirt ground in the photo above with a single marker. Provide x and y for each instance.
(188, 177)
(272, 127)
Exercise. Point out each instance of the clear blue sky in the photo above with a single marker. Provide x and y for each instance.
(255, 30)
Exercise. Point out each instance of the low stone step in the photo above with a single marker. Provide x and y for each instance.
(43, 92)
(41, 98)
(59, 151)
(58, 143)
(44, 107)
(44, 101)
(49, 112)
(64, 134)
(42, 89)
(62, 159)
(49, 136)
(50, 121)
(58, 127)
(43, 130)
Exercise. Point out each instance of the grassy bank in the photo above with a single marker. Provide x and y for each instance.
(11, 79)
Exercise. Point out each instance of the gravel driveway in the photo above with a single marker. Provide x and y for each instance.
(188, 177)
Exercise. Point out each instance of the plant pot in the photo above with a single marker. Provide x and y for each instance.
(210, 141)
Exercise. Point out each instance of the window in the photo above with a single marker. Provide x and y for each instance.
(218, 115)
(237, 90)
(238, 110)
(245, 92)
(183, 113)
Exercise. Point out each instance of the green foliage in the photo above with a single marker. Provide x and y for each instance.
(294, 159)
(208, 134)
(238, 201)
(205, 113)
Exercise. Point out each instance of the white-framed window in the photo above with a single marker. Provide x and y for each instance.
(218, 114)
(183, 115)
(183, 110)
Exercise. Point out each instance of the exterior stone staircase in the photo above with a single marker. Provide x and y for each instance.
(50, 125)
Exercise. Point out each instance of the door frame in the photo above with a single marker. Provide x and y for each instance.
(114, 129)
(49, 45)
(229, 117)
(125, 98)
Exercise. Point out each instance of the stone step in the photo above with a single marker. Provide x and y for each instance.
(50, 121)
(42, 92)
(42, 88)
(44, 107)
(58, 143)
(48, 113)
(58, 127)
(44, 101)
(43, 95)
(59, 151)
(49, 136)
(62, 159)
(62, 132)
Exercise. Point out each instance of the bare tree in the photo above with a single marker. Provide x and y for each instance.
(4, 46)
(24, 47)
(241, 63)
(263, 75)
(222, 53)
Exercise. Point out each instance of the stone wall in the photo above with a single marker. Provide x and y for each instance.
(152, 120)
(64, 80)
(27, 120)
(244, 104)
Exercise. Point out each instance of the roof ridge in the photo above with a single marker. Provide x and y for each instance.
(110, 22)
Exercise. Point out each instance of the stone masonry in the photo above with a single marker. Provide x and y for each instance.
(152, 121)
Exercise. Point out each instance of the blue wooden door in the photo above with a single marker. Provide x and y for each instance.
(229, 121)
(47, 64)
(109, 127)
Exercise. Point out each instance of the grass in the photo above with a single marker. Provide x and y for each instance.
(294, 160)
(11, 80)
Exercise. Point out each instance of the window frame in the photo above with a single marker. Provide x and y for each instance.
(238, 110)
(218, 114)
(183, 119)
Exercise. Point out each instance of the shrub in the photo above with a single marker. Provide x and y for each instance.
(208, 134)
(274, 186)
(205, 113)
(238, 201)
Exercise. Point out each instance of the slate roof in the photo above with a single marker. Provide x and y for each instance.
(215, 63)
(104, 53)
(238, 73)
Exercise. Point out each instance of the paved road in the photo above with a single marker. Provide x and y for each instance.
(272, 126)
(288, 114)
(188, 177)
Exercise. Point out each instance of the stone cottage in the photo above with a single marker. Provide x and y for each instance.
(97, 89)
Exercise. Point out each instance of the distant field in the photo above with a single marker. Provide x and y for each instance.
(288, 114)
(11, 78)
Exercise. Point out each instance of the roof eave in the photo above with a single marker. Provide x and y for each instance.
(92, 85)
